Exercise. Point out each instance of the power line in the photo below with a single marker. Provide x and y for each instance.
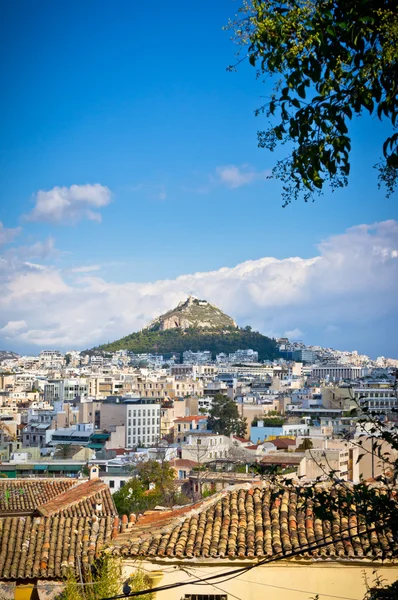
(236, 572)
(212, 585)
(279, 587)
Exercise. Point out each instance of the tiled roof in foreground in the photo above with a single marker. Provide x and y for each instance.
(25, 495)
(255, 523)
(46, 547)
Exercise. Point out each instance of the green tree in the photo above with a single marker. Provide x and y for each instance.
(132, 498)
(330, 61)
(65, 451)
(160, 473)
(306, 444)
(224, 417)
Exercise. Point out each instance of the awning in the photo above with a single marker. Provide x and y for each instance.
(73, 468)
(40, 467)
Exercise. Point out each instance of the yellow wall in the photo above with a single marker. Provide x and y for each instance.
(287, 581)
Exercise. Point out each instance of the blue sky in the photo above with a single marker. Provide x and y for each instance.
(136, 97)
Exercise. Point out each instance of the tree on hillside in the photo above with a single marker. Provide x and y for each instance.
(329, 61)
(224, 417)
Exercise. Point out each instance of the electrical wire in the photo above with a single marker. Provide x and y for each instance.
(279, 587)
(212, 585)
(236, 572)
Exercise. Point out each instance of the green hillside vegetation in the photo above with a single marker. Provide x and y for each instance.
(178, 340)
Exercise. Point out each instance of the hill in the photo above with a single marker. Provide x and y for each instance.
(193, 314)
(194, 325)
(178, 340)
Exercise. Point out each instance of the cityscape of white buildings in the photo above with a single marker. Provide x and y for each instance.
(61, 411)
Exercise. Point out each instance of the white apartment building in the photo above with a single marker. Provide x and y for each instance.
(196, 358)
(243, 356)
(204, 446)
(142, 422)
(376, 399)
(65, 390)
(337, 372)
(341, 459)
(51, 359)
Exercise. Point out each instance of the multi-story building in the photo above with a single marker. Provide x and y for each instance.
(304, 355)
(337, 372)
(341, 460)
(65, 390)
(143, 421)
(185, 425)
(204, 446)
(243, 356)
(196, 358)
(379, 397)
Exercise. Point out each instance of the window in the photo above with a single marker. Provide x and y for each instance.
(122, 483)
(111, 483)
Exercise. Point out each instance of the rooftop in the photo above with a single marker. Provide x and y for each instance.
(253, 522)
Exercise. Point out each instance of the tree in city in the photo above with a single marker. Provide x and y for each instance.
(306, 444)
(134, 497)
(329, 61)
(66, 451)
(224, 417)
(157, 472)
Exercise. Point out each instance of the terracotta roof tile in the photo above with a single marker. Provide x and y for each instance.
(252, 523)
(25, 495)
(82, 500)
(45, 547)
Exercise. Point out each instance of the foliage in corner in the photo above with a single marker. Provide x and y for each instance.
(103, 580)
(331, 61)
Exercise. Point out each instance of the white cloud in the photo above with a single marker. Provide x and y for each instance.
(86, 269)
(293, 334)
(69, 205)
(233, 176)
(347, 284)
(7, 234)
(12, 328)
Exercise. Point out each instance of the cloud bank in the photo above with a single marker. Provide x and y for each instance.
(69, 205)
(344, 297)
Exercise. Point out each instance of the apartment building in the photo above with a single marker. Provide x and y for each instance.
(339, 458)
(377, 398)
(65, 390)
(143, 422)
(184, 425)
(337, 372)
(204, 446)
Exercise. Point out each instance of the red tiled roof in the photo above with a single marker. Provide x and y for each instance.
(82, 500)
(282, 458)
(46, 547)
(177, 463)
(255, 523)
(25, 495)
(283, 442)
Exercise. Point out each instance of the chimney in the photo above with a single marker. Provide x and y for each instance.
(94, 472)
